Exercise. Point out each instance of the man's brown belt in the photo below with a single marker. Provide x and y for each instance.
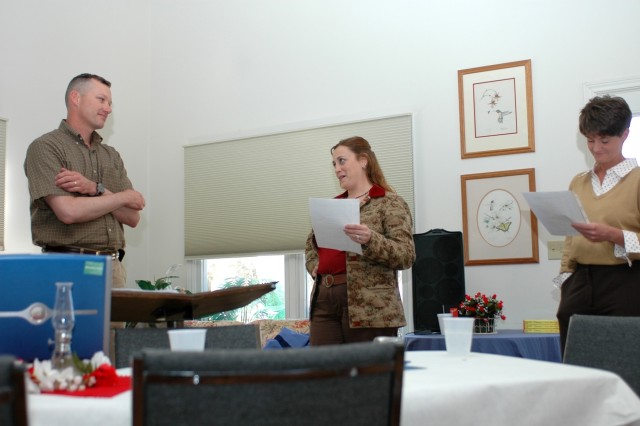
(115, 254)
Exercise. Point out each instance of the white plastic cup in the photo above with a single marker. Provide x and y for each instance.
(458, 336)
(441, 317)
(187, 339)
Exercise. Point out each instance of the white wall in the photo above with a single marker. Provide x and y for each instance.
(197, 69)
(43, 45)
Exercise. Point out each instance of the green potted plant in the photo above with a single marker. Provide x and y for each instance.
(163, 283)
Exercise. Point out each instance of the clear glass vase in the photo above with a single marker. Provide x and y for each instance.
(484, 326)
(63, 321)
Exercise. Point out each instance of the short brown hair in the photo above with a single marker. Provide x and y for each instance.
(605, 116)
(78, 82)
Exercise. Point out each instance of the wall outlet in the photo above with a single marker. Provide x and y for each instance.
(555, 249)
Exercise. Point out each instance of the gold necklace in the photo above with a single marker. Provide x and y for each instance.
(362, 195)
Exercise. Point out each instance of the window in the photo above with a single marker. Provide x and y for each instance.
(250, 195)
(236, 272)
(3, 143)
(290, 299)
(631, 147)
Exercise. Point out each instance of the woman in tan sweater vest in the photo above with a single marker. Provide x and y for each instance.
(600, 272)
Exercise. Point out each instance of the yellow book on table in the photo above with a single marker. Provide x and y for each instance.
(540, 326)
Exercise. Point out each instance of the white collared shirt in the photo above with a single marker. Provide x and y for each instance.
(613, 176)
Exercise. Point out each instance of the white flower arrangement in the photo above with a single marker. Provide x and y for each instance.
(83, 374)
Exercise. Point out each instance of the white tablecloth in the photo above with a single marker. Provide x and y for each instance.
(437, 390)
(58, 410)
(496, 390)
(55, 410)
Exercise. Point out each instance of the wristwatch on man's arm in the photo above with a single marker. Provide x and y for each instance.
(99, 189)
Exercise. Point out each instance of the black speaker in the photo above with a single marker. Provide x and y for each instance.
(438, 277)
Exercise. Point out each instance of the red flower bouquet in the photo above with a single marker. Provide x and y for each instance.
(481, 306)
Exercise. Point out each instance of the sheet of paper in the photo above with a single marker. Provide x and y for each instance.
(557, 210)
(328, 218)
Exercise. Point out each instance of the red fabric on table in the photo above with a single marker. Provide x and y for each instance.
(123, 384)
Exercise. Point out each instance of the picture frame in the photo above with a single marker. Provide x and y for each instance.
(496, 110)
(498, 224)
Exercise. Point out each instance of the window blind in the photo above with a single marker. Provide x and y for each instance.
(251, 195)
(3, 144)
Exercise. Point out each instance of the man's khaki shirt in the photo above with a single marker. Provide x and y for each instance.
(64, 147)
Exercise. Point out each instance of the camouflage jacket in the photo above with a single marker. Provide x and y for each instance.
(372, 285)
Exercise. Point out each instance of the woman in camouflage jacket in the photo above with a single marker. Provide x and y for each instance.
(356, 297)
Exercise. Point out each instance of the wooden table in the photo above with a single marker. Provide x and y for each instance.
(171, 307)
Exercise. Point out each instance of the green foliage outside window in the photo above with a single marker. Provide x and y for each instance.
(268, 306)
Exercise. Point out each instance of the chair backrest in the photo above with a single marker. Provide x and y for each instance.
(352, 384)
(605, 342)
(128, 341)
(13, 398)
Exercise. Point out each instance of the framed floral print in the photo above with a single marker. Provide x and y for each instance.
(498, 225)
(496, 110)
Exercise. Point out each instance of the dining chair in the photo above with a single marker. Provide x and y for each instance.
(606, 342)
(350, 384)
(13, 398)
(130, 340)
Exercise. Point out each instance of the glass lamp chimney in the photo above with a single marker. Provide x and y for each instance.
(63, 321)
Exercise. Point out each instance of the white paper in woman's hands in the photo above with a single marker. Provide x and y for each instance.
(557, 210)
(328, 218)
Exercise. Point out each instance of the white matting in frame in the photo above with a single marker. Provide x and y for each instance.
(498, 224)
(496, 110)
